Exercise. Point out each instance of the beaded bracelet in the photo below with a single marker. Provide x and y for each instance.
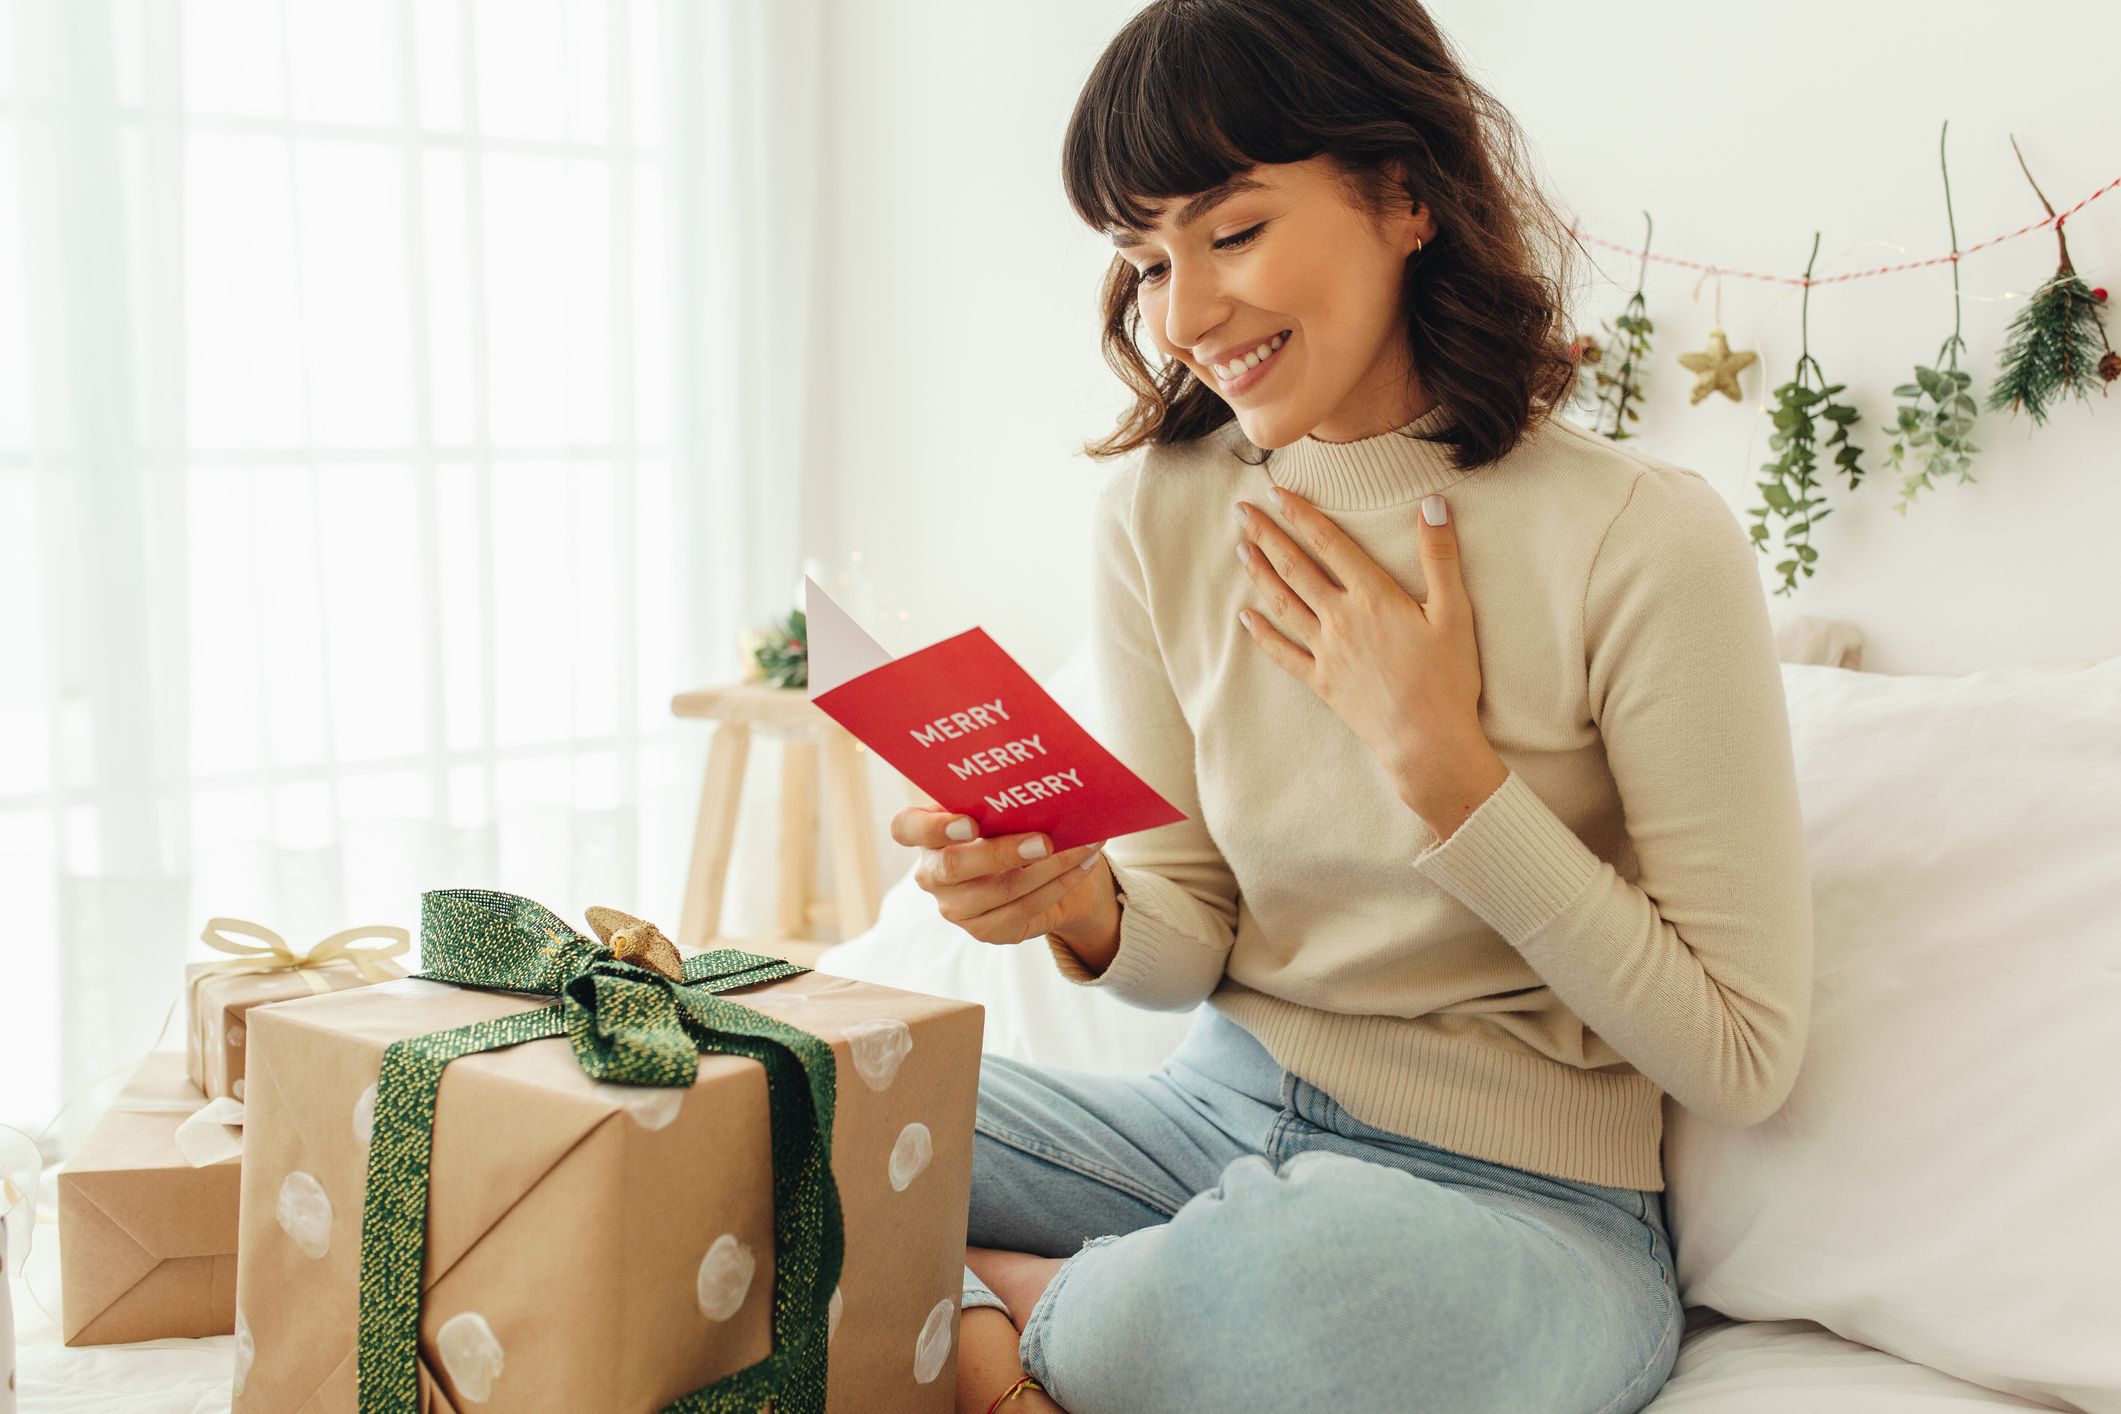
(1013, 1390)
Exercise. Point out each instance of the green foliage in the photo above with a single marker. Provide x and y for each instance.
(1930, 433)
(1799, 406)
(2053, 348)
(784, 655)
(1612, 394)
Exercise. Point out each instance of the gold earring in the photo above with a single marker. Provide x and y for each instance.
(1417, 245)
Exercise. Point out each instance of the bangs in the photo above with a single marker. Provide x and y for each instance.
(1173, 109)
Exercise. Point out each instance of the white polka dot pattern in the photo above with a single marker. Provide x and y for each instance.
(649, 1106)
(304, 1213)
(915, 1147)
(725, 1275)
(364, 1117)
(880, 1046)
(471, 1355)
(246, 1351)
(933, 1346)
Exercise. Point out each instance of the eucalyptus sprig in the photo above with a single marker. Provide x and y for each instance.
(1796, 437)
(1612, 394)
(1930, 433)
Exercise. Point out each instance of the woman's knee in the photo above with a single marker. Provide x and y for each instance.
(1041, 1180)
(1361, 1252)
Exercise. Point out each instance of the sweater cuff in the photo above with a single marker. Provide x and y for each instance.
(1513, 861)
(1159, 966)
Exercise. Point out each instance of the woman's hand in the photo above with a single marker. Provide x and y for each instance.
(1403, 674)
(994, 890)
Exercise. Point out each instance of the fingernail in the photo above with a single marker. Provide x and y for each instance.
(1433, 510)
(1237, 512)
(1033, 848)
(962, 828)
(1275, 492)
(1091, 860)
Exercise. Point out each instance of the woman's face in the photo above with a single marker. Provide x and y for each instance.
(1285, 256)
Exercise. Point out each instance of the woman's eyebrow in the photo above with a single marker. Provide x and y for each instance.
(1196, 208)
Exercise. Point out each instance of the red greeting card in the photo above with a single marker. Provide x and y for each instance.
(962, 720)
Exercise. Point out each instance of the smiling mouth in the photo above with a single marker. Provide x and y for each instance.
(1245, 376)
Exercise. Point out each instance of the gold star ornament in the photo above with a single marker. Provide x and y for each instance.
(1716, 369)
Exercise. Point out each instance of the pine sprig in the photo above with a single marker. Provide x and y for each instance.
(783, 653)
(2053, 350)
(1791, 476)
(2054, 343)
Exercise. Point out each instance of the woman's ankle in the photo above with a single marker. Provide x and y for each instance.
(987, 1360)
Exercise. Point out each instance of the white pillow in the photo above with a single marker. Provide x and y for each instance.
(1033, 1013)
(1944, 1182)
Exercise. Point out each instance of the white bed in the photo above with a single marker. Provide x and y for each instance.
(1743, 1367)
(1927, 1225)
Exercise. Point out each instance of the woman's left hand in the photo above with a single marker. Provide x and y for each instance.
(1404, 674)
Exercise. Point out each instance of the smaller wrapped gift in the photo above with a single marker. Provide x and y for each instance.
(220, 994)
(554, 1172)
(147, 1238)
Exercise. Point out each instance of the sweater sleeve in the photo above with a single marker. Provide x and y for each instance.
(1178, 895)
(1700, 972)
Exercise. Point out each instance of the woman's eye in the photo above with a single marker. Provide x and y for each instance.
(1153, 274)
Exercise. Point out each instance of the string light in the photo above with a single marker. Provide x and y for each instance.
(1799, 280)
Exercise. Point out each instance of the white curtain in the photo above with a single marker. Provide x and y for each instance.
(399, 401)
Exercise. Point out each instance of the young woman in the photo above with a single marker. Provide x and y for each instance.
(1465, 909)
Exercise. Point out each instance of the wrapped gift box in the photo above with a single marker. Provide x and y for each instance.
(592, 1245)
(147, 1243)
(219, 1000)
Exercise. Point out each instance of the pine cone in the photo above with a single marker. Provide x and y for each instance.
(2110, 366)
(631, 940)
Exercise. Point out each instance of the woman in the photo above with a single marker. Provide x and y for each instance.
(1464, 908)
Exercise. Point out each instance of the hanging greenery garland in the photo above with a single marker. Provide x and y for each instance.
(1612, 395)
(780, 656)
(1796, 437)
(1930, 433)
(2055, 340)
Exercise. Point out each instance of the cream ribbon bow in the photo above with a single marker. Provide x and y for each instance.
(204, 1138)
(276, 956)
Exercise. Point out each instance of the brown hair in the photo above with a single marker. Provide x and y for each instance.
(1192, 91)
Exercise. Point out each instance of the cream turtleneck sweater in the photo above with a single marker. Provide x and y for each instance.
(1628, 916)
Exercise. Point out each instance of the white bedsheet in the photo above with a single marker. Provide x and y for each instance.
(1773, 1367)
(1743, 1367)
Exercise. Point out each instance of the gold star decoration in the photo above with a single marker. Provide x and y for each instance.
(1716, 369)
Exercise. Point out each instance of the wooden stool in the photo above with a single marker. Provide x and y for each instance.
(787, 713)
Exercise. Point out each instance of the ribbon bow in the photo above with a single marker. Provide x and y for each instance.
(635, 1014)
(276, 956)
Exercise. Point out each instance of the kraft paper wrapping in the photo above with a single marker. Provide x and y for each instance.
(601, 1246)
(217, 1023)
(147, 1242)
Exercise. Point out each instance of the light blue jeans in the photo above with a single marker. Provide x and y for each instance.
(1237, 1241)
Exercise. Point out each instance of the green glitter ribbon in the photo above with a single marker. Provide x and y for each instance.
(629, 1025)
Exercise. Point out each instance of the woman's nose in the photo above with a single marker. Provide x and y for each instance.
(1192, 308)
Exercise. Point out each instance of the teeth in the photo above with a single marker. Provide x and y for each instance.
(1238, 366)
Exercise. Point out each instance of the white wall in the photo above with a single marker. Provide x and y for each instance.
(961, 358)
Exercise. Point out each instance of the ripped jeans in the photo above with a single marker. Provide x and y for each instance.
(1237, 1241)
